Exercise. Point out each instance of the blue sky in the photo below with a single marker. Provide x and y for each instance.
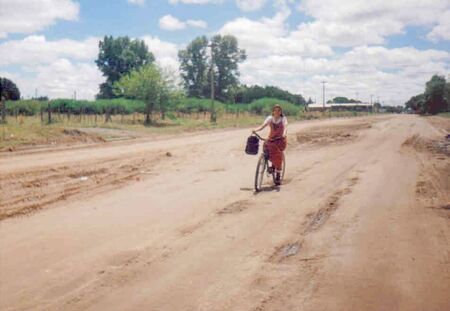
(388, 49)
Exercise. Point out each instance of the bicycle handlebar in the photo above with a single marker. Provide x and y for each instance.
(264, 139)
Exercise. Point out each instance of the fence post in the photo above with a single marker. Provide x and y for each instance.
(42, 114)
(3, 109)
(49, 111)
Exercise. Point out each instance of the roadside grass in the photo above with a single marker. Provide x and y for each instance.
(29, 130)
(23, 130)
(444, 114)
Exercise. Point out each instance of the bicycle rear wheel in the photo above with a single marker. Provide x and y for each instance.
(260, 170)
(283, 168)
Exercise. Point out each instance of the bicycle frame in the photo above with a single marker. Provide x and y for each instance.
(265, 165)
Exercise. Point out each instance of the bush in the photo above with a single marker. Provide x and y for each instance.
(25, 107)
(264, 106)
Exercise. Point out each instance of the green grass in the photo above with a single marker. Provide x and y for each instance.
(29, 130)
(444, 114)
(24, 126)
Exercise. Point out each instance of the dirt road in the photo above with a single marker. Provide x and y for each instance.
(361, 223)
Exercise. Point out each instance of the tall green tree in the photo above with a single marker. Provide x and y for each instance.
(117, 57)
(226, 58)
(434, 93)
(149, 84)
(194, 67)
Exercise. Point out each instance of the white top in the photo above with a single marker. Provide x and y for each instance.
(272, 119)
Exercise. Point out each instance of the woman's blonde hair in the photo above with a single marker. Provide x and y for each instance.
(279, 107)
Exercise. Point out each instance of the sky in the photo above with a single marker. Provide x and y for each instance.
(387, 49)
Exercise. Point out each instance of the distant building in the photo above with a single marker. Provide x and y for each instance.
(341, 107)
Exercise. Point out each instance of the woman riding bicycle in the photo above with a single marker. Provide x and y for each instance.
(276, 143)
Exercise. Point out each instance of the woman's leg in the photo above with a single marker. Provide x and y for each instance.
(275, 155)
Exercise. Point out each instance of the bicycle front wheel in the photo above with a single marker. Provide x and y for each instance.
(260, 170)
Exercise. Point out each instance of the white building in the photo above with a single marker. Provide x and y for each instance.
(343, 106)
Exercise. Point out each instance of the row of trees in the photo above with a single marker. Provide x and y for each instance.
(209, 68)
(343, 100)
(435, 99)
(246, 94)
(120, 56)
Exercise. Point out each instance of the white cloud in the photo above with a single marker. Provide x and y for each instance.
(63, 77)
(137, 2)
(250, 5)
(28, 16)
(350, 23)
(197, 23)
(166, 53)
(34, 50)
(393, 74)
(58, 68)
(442, 30)
(59, 79)
(271, 36)
(195, 1)
(171, 23)
(168, 22)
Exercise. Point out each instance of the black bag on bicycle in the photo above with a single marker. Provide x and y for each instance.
(252, 145)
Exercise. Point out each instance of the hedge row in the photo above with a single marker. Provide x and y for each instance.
(261, 106)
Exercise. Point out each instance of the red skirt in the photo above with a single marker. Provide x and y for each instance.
(275, 149)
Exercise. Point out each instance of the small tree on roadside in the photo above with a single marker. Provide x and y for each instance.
(447, 94)
(8, 91)
(147, 84)
(434, 93)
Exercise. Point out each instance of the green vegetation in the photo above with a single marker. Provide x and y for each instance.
(117, 57)
(444, 114)
(197, 67)
(435, 99)
(122, 106)
(147, 84)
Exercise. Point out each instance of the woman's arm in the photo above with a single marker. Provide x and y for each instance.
(260, 128)
(285, 127)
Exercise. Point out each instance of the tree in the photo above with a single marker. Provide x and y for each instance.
(247, 94)
(340, 100)
(226, 58)
(434, 93)
(194, 67)
(417, 103)
(148, 84)
(8, 91)
(447, 94)
(117, 57)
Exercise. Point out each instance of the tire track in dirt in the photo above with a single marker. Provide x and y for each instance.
(30, 191)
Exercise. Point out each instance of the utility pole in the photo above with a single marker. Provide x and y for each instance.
(323, 93)
(35, 93)
(75, 95)
(371, 102)
(213, 118)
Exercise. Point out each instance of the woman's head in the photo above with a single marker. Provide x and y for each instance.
(277, 111)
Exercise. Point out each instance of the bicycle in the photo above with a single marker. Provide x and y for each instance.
(264, 166)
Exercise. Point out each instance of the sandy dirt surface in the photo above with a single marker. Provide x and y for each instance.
(360, 223)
